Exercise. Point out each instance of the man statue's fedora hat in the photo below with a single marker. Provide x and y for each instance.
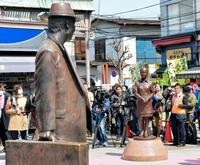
(62, 9)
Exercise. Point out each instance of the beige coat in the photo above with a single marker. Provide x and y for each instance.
(18, 122)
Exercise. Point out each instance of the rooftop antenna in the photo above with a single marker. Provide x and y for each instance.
(99, 5)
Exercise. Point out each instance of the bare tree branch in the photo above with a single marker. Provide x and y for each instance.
(124, 53)
(127, 57)
(114, 63)
(124, 65)
(119, 46)
(120, 64)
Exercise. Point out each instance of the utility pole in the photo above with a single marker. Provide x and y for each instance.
(87, 22)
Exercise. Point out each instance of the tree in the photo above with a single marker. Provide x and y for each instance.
(122, 56)
(135, 71)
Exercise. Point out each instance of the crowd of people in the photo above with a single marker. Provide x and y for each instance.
(177, 104)
(113, 112)
(16, 112)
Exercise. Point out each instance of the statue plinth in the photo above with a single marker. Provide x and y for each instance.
(145, 150)
(46, 153)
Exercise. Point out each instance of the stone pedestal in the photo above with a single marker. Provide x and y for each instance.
(46, 153)
(145, 150)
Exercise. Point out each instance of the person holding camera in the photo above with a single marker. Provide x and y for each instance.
(100, 111)
(119, 101)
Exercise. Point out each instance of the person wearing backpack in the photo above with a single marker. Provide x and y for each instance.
(191, 132)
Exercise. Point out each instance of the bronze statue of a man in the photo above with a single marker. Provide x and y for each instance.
(144, 93)
(60, 96)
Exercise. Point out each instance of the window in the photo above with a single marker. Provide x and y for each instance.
(187, 16)
(198, 14)
(100, 50)
(80, 48)
(20, 14)
(181, 17)
(146, 52)
(173, 19)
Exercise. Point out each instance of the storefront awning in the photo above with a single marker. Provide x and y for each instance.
(190, 73)
(19, 39)
(172, 41)
(17, 64)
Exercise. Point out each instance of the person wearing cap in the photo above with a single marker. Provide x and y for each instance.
(191, 102)
(191, 133)
(60, 96)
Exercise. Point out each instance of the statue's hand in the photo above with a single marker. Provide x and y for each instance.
(46, 136)
(143, 100)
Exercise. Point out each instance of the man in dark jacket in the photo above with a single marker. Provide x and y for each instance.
(119, 101)
(4, 120)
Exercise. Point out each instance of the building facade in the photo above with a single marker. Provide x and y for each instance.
(23, 28)
(136, 35)
(180, 26)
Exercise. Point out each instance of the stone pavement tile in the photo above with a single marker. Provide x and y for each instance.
(2, 158)
(2, 162)
(112, 156)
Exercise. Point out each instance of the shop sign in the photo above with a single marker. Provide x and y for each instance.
(179, 53)
(114, 73)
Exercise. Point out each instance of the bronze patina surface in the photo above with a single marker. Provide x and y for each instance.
(61, 102)
(60, 96)
(144, 93)
(144, 147)
(46, 153)
(145, 150)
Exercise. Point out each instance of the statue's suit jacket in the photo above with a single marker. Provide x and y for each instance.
(60, 98)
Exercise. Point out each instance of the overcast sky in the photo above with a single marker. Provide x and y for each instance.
(115, 6)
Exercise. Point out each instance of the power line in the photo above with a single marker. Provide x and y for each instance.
(138, 9)
(101, 31)
(179, 23)
(180, 16)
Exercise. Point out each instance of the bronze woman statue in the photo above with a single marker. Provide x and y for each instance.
(143, 91)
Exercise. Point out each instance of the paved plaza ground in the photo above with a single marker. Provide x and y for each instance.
(188, 155)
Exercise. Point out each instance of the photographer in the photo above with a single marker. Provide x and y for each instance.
(133, 122)
(119, 101)
(100, 111)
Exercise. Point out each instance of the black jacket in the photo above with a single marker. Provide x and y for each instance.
(4, 116)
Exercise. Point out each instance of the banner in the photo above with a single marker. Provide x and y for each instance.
(176, 66)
